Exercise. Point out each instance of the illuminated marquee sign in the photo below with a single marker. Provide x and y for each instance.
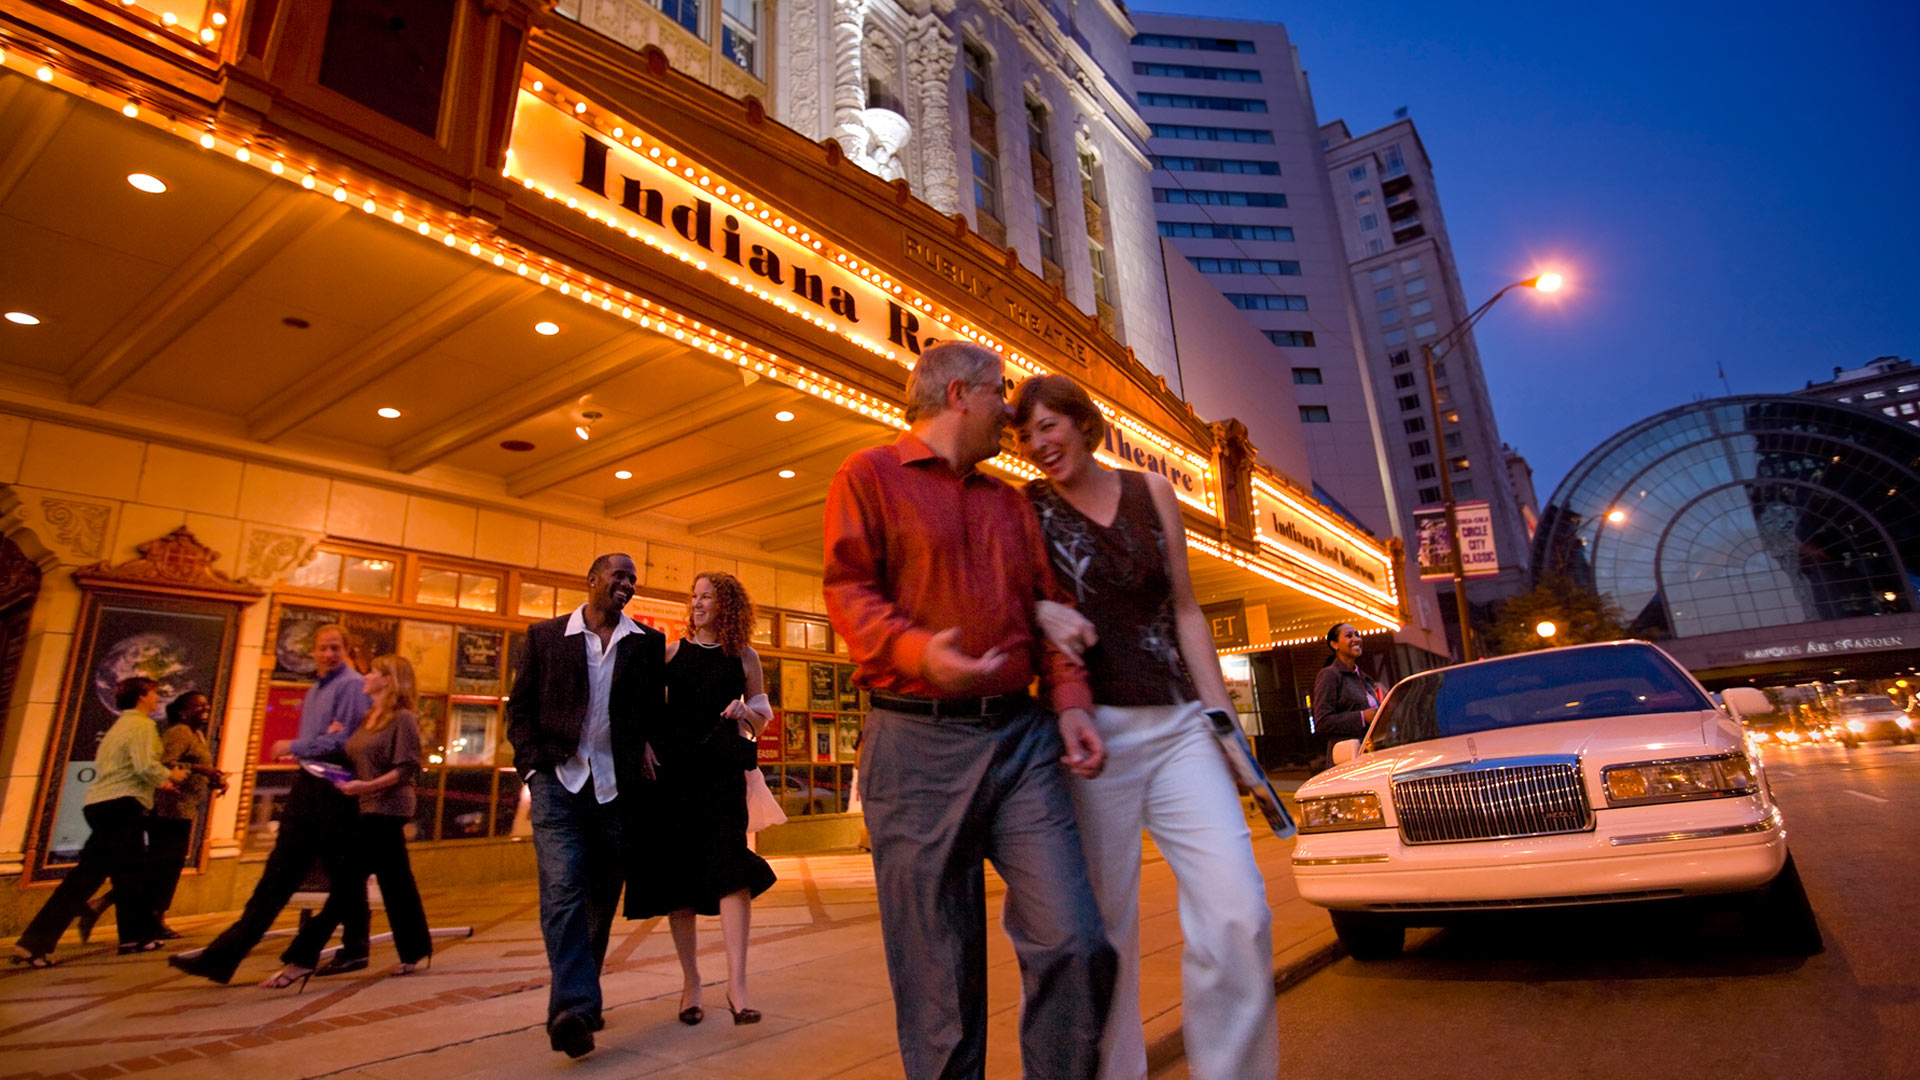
(1308, 536)
(647, 191)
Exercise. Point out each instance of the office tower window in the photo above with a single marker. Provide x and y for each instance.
(1306, 376)
(1389, 316)
(1357, 174)
(1294, 339)
(1425, 472)
(1398, 358)
(1267, 301)
(1394, 337)
(1452, 418)
(1179, 41)
(979, 72)
(1199, 101)
(1207, 230)
(684, 12)
(1044, 215)
(1097, 255)
(740, 33)
(1455, 441)
(1037, 129)
(1414, 426)
(1314, 414)
(1463, 489)
(1363, 197)
(1416, 286)
(1409, 266)
(1376, 245)
(1218, 198)
(1281, 267)
(1369, 222)
(1093, 190)
(986, 182)
(1409, 402)
(1419, 307)
(1440, 370)
(1419, 448)
(1430, 495)
(1424, 329)
(1381, 274)
(1235, 166)
(1211, 134)
(1403, 381)
(1392, 164)
(1383, 296)
(1196, 71)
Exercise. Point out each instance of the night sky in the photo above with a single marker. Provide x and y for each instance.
(1722, 184)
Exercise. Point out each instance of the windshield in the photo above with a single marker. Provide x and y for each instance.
(1535, 688)
(1863, 705)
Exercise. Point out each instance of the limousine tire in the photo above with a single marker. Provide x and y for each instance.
(1367, 936)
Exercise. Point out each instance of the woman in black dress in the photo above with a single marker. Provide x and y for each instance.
(700, 752)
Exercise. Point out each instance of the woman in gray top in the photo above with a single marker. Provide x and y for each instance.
(385, 751)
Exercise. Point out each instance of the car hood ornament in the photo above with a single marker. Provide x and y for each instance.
(1473, 752)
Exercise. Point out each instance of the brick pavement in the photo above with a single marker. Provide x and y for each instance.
(818, 974)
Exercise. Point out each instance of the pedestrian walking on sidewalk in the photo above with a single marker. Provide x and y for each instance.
(175, 809)
(1118, 548)
(127, 771)
(385, 751)
(317, 826)
(933, 570)
(591, 682)
(694, 857)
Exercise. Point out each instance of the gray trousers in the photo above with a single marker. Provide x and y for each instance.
(942, 796)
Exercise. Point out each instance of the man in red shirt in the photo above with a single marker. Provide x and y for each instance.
(932, 572)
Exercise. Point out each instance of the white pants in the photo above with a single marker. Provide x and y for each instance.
(1165, 774)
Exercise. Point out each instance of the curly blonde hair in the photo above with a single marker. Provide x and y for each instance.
(732, 611)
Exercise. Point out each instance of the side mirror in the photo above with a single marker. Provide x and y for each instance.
(1344, 750)
(1745, 701)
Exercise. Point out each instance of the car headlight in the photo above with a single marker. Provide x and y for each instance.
(1857, 726)
(1758, 736)
(1672, 781)
(1333, 813)
(1905, 722)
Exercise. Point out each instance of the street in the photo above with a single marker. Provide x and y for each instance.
(1656, 992)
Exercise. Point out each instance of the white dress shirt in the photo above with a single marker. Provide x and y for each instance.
(595, 756)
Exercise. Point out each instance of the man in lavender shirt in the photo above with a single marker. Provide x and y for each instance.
(317, 826)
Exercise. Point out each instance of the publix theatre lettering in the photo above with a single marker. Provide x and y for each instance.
(803, 280)
(1152, 460)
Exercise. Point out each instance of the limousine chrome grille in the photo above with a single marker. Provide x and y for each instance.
(1492, 800)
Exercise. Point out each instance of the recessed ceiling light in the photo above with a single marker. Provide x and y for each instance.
(150, 184)
(546, 329)
(22, 318)
(518, 446)
(622, 474)
(786, 474)
(389, 412)
(783, 416)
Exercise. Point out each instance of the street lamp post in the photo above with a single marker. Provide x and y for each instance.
(1545, 283)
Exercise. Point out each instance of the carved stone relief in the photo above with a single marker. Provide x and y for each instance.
(176, 560)
(55, 528)
(931, 53)
(849, 77)
(802, 67)
(268, 555)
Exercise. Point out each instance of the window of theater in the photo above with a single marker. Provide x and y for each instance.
(462, 625)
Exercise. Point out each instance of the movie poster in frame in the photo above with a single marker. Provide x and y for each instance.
(428, 646)
(293, 642)
(849, 693)
(793, 744)
(185, 644)
(823, 739)
(374, 636)
(771, 738)
(477, 652)
(846, 739)
(793, 685)
(820, 687)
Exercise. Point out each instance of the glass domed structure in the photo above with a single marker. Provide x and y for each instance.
(1743, 514)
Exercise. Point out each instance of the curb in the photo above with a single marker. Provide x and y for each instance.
(1320, 952)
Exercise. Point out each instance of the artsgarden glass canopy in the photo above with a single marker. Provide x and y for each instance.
(1743, 513)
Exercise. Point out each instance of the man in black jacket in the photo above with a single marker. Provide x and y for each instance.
(589, 684)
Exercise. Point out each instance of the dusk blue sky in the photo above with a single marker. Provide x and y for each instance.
(1724, 184)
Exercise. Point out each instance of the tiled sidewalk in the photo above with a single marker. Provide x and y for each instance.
(817, 969)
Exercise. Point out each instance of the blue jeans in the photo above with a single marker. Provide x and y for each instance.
(941, 797)
(576, 845)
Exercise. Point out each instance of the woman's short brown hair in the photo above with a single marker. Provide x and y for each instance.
(1064, 396)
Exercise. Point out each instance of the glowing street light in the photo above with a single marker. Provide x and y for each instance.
(1546, 629)
(1548, 282)
(1616, 516)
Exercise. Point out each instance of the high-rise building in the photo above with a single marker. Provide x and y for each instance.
(1241, 192)
(1888, 385)
(1409, 296)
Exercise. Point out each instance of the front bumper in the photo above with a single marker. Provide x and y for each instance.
(1632, 853)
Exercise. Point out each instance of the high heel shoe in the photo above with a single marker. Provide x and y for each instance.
(127, 947)
(692, 1015)
(285, 978)
(410, 967)
(743, 1016)
(37, 961)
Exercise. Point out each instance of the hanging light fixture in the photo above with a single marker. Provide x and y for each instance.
(584, 428)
